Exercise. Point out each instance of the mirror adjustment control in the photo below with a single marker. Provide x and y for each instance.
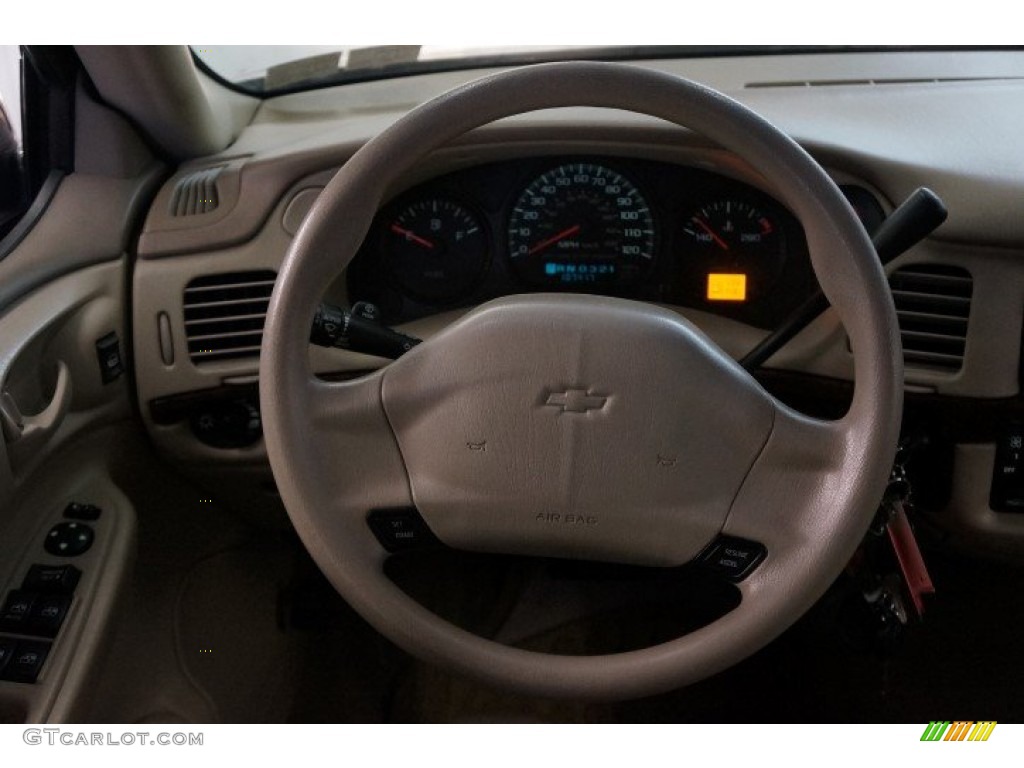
(69, 539)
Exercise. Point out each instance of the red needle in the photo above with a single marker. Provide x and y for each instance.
(714, 236)
(554, 239)
(412, 236)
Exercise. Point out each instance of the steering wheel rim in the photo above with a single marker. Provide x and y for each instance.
(340, 450)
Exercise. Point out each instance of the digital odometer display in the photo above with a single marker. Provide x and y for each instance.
(581, 224)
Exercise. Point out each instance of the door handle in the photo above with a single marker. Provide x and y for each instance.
(29, 432)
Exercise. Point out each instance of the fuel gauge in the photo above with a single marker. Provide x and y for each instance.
(435, 249)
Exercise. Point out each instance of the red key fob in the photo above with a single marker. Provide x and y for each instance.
(908, 554)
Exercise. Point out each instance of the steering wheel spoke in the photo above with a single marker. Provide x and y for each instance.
(349, 449)
(794, 499)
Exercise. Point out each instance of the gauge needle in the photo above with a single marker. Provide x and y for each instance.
(714, 235)
(408, 234)
(554, 239)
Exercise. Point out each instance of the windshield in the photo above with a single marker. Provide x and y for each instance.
(274, 68)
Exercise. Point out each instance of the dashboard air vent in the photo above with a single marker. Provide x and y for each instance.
(224, 314)
(933, 304)
(196, 193)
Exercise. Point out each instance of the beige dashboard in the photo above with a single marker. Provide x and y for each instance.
(888, 123)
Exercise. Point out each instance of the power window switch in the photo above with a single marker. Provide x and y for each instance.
(52, 579)
(6, 651)
(14, 616)
(26, 661)
(47, 615)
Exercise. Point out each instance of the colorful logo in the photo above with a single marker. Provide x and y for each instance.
(959, 731)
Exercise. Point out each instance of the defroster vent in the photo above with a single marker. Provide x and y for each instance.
(224, 314)
(933, 304)
(196, 193)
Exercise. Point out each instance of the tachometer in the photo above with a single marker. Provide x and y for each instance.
(435, 249)
(580, 224)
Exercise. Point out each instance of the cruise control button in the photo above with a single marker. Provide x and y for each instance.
(68, 539)
(15, 614)
(26, 661)
(52, 579)
(399, 530)
(733, 558)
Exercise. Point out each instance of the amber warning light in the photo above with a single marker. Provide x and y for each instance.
(722, 287)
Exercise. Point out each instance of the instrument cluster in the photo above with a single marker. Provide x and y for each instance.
(637, 229)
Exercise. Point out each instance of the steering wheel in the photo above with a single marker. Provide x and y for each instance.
(578, 426)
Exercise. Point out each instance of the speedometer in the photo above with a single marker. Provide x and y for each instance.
(580, 224)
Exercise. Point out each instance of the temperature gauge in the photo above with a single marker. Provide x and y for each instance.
(733, 250)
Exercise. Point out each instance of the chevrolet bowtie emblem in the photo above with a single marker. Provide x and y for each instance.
(576, 401)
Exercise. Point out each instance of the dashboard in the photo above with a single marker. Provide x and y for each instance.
(590, 201)
(645, 230)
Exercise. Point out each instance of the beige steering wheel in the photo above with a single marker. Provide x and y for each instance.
(584, 482)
